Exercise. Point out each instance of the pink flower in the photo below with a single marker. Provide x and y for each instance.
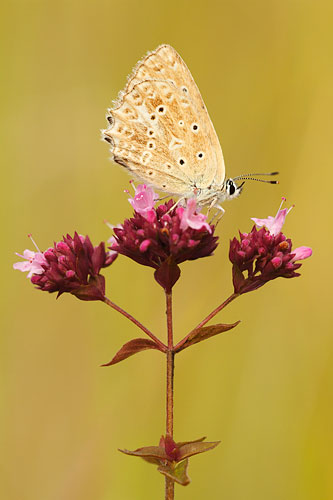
(274, 224)
(71, 265)
(265, 254)
(189, 217)
(171, 236)
(144, 201)
(34, 261)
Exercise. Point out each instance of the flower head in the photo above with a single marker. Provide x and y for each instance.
(71, 265)
(264, 254)
(168, 236)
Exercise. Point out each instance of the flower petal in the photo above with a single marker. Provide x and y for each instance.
(22, 266)
(144, 200)
(273, 224)
(191, 219)
(301, 253)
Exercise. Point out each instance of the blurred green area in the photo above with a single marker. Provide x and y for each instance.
(265, 389)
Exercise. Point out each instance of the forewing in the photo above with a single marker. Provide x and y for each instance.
(165, 64)
(157, 131)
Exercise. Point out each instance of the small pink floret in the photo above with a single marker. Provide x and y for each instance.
(274, 224)
(62, 246)
(191, 219)
(276, 261)
(112, 241)
(33, 263)
(144, 201)
(144, 245)
(301, 253)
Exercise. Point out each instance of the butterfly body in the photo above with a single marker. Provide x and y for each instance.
(160, 131)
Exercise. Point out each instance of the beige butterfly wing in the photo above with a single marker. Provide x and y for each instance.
(160, 129)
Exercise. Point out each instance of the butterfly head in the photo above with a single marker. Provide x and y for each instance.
(232, 190)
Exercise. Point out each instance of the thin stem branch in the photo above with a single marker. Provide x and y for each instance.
(208, 318)
(114, 306)
(169, 484)
(169, 319)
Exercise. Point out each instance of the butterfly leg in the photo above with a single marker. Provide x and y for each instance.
(175, 204)
(163, 198)
(218, 213)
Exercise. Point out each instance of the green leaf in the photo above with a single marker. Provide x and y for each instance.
(130, 348)
(177, 473)
(200, 334)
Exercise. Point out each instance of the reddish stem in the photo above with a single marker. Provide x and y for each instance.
(208, 318)
(160, 344)
(169, 484)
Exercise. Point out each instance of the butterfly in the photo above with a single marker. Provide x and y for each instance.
(160, 130)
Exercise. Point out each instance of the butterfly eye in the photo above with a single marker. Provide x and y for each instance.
(184, 89)
(195, 128)
(153, 116)
(200, 155)
(181, 161)
(151, 132)
(231, 188)
(151, 145)
(181, 123)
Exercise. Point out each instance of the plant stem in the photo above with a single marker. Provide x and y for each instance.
(217, 310)
(169, 484)
(160, 344)
(208, 318)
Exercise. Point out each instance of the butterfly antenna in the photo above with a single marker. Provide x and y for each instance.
(249, 177)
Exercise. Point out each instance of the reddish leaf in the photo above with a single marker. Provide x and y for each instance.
(190, 449)
(167, 274)
(237, 278)
(177, 473)
(200, 334)
(95, 290)
(130, 348)
(181, 443)
(152, 454)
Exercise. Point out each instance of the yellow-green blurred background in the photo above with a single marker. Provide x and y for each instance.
(265, 70)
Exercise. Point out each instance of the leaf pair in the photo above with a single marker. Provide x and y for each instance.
(198, 335)
(171, 457)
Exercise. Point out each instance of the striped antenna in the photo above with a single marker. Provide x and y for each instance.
(249, 177)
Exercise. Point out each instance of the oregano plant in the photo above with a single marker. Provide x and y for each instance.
(163, 236)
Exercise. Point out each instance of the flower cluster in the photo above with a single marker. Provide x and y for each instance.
(264, 254)
(71, 265)
(164, 236)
